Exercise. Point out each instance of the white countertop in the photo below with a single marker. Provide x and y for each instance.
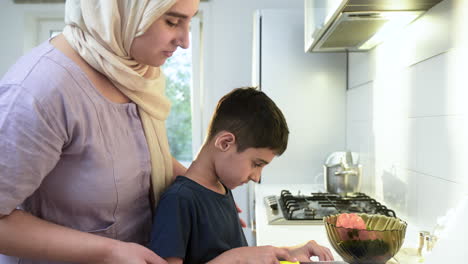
(289, 235)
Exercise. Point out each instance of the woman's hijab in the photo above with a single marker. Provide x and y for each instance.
(102, 32)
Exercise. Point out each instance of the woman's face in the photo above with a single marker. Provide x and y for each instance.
(168, 32)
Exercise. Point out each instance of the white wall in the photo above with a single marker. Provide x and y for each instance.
(407, 115)
(310, 89)
(18, 24)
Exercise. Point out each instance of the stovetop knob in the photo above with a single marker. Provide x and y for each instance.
(274, 206)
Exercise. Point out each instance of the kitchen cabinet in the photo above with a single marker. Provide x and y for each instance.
(357, 25)
(316, 14)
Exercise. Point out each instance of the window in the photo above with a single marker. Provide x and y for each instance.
(178, 71)
(184, 87)
(39, 27)
(49, 27)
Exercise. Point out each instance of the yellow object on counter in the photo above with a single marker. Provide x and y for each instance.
(289, 262)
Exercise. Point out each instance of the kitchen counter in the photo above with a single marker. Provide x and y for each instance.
(288, 235)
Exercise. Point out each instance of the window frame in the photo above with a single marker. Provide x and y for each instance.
(200, 33)
(37, 25)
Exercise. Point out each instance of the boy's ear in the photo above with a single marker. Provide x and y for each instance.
(225, 140)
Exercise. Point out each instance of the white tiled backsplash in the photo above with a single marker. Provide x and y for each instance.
(407, 115)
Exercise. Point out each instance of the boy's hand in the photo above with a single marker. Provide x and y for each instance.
(242, 222)
(311, 248)
(254, 255)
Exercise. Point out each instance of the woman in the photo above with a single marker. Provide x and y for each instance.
(82, 133)
(82, 129)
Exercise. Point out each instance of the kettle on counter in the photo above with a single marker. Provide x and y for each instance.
(342, 173)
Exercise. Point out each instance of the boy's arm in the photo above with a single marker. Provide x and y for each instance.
(172, 225)
(174, 260)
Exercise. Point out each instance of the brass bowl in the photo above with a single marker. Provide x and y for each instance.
(377, 244)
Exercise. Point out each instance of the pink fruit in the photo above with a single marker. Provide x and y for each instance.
(355, 227)
(350, 221)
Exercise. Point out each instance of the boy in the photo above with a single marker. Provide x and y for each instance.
(196, 220)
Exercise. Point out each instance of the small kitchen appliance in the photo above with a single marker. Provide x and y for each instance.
(300, 209)
(342, 173)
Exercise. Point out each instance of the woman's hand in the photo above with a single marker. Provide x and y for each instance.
(254, 255)
(242, 222)
(131, 253)
(311, 248)
(22, 234)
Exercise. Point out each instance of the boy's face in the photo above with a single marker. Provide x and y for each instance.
(237, 168)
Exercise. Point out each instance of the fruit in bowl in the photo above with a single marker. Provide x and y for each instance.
(365, 238)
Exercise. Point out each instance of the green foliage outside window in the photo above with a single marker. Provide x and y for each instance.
(178, 70)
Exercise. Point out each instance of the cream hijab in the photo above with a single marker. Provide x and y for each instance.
(102, 33)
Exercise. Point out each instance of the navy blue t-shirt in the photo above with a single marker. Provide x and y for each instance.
(195, 223)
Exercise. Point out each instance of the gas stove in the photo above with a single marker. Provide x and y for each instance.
(300, 209)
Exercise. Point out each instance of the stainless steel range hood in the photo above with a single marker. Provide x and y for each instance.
(359, 25)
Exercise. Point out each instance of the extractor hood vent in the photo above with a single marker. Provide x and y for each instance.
(359, 25)
(350, 32)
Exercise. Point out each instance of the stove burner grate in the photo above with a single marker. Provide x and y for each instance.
(318, 205)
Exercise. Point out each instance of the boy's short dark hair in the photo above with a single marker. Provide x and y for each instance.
(253, 118)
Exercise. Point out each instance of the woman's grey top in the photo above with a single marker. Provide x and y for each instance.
(69, 155)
